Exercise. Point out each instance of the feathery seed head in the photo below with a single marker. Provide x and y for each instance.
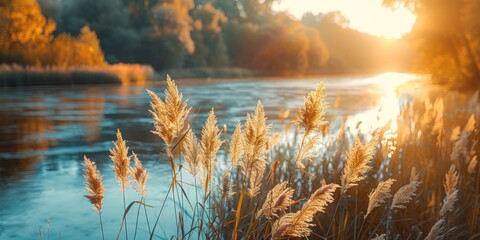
(298, 224)
(191, 153)
(311, 116)
(236, 145)
(449, 202)
(139, 175)
(93, 183)
(169, 116)
(256, 137)
(226, 186)
(437, 230)
(121, 160)
(379, 195)
(209, 146)
(451, 180)
(405, 194)
(255, 180)
(307, 150)
(278, 200)
(356, 164)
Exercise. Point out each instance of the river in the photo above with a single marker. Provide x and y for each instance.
(44, 133)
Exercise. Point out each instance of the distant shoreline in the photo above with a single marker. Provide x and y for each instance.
(18, 76)
(133, 74)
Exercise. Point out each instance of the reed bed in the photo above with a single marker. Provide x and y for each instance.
(416, 179)
(16, 75)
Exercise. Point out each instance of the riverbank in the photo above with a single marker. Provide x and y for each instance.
(125, 74)
(136, 74)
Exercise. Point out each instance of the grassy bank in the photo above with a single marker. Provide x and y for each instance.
(15, 75)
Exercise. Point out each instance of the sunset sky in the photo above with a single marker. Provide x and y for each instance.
(365, 15)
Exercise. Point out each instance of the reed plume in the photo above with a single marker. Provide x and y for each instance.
(256, 137)
(209, 146)
(460, 147)
(437, 230)
(236, 147)
(121, 160)
(226, 186)
(93, 184)
(298, 224)
(451, 180)
(255, 180)
(139, 175)
(278, 200)
(169, 116)
(121, 167)
(311, 116)
(451, 191)
(356, 164)
(379, 195)
(307, 150)
(449, 202)
(405, 194)
(192, 153)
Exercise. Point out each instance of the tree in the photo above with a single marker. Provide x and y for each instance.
(84, 50)
(24, 32)
(210, 48)
(444, 34)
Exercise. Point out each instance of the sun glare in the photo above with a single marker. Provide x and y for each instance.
(386, 108)
(367, 16)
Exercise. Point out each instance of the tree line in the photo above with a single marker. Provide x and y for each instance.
(190, 34)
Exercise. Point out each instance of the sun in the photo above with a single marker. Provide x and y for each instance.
(367, 16)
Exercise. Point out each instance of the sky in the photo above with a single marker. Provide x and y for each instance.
(367, 16)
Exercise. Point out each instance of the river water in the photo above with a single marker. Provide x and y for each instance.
(44, 133)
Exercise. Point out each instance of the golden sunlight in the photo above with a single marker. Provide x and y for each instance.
(386, 108)
(367, 16)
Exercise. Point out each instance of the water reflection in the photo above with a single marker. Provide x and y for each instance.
(24, 138)
(86, 109)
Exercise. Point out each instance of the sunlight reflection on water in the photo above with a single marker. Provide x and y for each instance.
(44, 133)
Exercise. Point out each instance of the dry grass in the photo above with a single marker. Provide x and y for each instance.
(15, 75)
(289, 197)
